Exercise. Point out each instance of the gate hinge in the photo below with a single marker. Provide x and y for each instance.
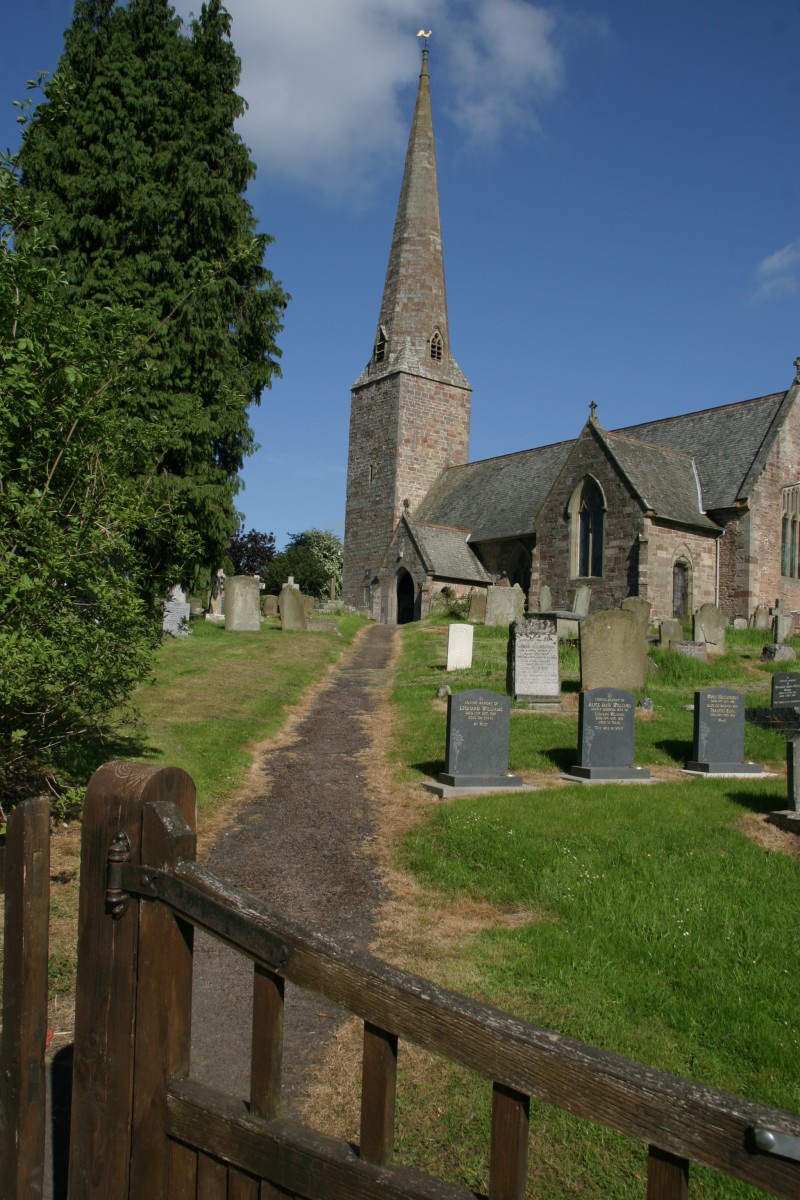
(772, 1141)
(119, 853)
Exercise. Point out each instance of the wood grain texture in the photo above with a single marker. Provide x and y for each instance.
(378, 1092)
(102, 1087)
(508, 1158)
(182, 1172)
(267, 1044)
(686, 1119)
(667, 1176)
(25, 946)
(212, 1178)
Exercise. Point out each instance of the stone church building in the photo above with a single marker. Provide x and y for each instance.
(680, 511)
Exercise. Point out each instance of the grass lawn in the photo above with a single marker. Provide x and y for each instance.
(655, 926)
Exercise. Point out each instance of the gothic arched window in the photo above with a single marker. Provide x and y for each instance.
(379, 353)
(587, 515)
(437, 347)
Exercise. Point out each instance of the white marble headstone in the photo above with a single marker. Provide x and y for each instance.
(459, 647)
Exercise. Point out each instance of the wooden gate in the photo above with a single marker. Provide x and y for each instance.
(142, 1129)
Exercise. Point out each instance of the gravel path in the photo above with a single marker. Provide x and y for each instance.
(299, 849)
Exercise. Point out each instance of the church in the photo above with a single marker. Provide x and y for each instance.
(698, 508)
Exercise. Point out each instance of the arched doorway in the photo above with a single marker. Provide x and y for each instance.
(405, 598)
(681, 588)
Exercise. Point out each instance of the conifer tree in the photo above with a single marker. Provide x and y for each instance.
(134, 152)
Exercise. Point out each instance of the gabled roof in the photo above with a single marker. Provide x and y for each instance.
(728, 444)
(665, 480)
(445, 552)
(495, 497)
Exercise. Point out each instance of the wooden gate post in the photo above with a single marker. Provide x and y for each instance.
(105, 1009)
(22, 1069)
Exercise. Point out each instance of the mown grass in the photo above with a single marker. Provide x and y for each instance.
(659, 930)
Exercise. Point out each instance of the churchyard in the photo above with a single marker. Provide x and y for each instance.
(641, 919)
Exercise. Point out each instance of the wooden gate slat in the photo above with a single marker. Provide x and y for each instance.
(212, 1178)
(25, 945)
(508, 1156)
(182, 1172)
(378, 1092)
(266, 1051)
(667, 1176)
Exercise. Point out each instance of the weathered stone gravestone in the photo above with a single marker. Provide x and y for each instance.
(740, 622)
(698, 650)
(176, 613)
(477, 607)
(545, 598)
(761, 617)
(216, 600)
(308, 604)
(640, 609)
(613, 650)
(504, 605)
(290, 607)
(777, 652)
(582, 600)
(533, 673)
(459, 647)
(242, 604)
(606, 720)
(708, 625)
(670, 630)
(269, 606)
(718, 744)
(477, 741)
(783, 625)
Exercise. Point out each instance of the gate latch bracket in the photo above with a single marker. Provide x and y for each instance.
(772, 1141)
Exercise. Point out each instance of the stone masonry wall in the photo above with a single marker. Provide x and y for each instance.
(659, 552)
(624, 521)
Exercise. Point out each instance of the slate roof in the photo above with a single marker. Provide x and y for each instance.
(495, 497)
(663, 478)
(727, 443)
(446, 553)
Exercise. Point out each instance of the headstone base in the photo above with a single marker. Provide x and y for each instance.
(716, 768)
(608, 774)
(539, 703)
(480, 781)
(445, 792)
(786, 819)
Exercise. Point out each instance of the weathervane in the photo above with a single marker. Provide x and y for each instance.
(425, 33)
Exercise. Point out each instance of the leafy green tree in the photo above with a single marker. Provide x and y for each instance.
(134, 151)
(78, 607)
(313, 557)
(251, 553)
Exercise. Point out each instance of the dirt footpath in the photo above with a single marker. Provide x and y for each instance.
(302, 848)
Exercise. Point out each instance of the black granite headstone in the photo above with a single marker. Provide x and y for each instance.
(793, 772)
(718, 747)
(477, 741)
(786, 689)
(605, 736)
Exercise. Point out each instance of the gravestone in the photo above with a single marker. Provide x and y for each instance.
(786, 689)
(477, 741)
(533, 674)
(176, 613)
(718, 744)
(783, 625)
(698, 650)
(290, 607)
(216, 601)
(613, 650)
(708, 625)
(793, 772)
(545, 598)
(242, 604)
(308, 604)
(761, 617)
(477, 607)
(269, 606)
(316, 624)
(504, 605)
(740, 622)
(582, 600)
(606, 719)
(640, 609)
(670, 630)
(777, 652)
(459, 647)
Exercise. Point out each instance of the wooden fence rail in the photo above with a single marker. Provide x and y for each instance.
(144, 1129)
(25, 945)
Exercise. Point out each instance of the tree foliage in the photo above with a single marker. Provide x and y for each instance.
(135, 154)
(78, 611)
(251, 553)
(313, 557)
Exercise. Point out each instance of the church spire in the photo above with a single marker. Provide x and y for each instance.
(413, 333)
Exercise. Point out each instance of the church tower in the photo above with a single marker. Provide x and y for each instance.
(410, 407)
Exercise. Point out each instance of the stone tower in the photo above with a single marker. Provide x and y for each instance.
(410, 408)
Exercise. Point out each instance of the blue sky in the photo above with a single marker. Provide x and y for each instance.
(620, 196)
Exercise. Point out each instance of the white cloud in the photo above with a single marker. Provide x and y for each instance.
(327, 81)
(779, 273)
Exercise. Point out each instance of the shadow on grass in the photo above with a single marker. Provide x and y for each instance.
(431, 768)
(561, 758)
(677, 749)
(571, 685)
(758, 802)
(83, 756)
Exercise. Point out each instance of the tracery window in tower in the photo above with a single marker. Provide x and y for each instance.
(587, 509)
(437, 346)
(379, 352)
(790, 532)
